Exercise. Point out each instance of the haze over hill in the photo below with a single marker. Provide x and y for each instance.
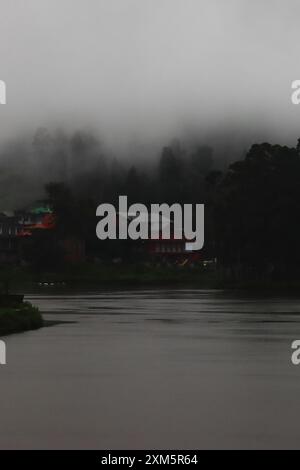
(141, 71)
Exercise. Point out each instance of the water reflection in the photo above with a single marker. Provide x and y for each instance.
(155, 368)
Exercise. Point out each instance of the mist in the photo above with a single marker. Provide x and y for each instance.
(144, 71)
(138, 73)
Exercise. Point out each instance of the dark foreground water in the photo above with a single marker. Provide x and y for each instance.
(154, 369)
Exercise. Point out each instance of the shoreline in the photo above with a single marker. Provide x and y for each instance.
(20, 318)
(139, 275)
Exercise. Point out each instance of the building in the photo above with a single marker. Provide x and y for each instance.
(32, 226)
(10, 229)
(176, 251)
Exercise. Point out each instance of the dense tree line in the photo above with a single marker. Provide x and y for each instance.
(256, 208)
(251, 209)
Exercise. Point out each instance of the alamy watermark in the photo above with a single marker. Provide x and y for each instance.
(2, 92)
(162, 222)
(2, 353)
(296, 354)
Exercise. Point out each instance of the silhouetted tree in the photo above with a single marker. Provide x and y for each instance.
(256, 213)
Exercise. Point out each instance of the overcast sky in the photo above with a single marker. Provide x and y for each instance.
(151, 69)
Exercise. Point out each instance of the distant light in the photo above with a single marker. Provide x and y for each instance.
(189, 247)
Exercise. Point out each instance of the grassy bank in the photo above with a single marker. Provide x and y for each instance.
(93, 274)
(23, 317)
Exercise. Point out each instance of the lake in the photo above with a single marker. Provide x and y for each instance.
(153, 369)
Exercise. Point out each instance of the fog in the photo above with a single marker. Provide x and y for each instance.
(145, 71)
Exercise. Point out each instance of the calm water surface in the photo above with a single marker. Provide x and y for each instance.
(154, 369)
